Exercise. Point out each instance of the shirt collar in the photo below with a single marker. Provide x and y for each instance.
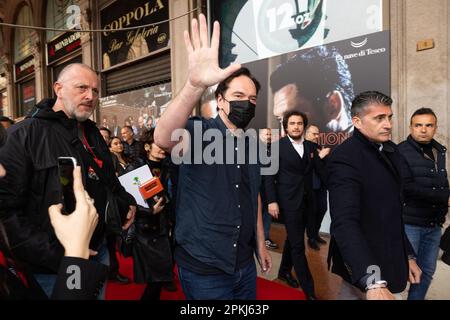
(220, 125)
(295, 142)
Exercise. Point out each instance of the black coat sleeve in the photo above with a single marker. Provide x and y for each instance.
(320, 167)
(79, 279)
(269, 182)
(28, 241)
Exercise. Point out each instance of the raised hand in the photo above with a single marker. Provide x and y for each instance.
(204, 70)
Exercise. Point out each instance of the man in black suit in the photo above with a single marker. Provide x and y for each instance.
(289, 192)
(369, 247)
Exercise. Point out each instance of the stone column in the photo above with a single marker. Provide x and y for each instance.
(38, 69)
(86, 37)
(178, 51)
(398, 62)
(420, 78)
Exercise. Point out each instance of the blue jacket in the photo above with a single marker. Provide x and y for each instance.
(426, 199)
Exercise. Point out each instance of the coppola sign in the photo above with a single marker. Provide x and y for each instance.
(122, 46)
(63, 45)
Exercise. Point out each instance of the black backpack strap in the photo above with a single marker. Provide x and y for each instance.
(85, 156)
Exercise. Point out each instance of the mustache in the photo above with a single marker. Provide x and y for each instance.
(89, 103)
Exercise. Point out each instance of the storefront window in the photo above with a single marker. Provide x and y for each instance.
(58, 13)
(139, 109)
(3, 81)
(27, 96)
(3, 102)
(22, 37)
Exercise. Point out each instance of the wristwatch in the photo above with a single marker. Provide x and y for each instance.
(377, 285)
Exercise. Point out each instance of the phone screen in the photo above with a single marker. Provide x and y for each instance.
(66, 166)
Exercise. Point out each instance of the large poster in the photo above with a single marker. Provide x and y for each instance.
(322, 82)
(139, 109)
(122, 46)
(257, 29)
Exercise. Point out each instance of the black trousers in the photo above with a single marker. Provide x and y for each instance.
(316, 212)
(294, 249)
(152, 291)
(111, 241)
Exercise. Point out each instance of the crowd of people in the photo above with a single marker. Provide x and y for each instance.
(211, 221)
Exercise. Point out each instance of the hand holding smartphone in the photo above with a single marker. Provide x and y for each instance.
(66, 165)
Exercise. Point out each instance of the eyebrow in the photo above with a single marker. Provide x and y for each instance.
(83, 84)
(383, 115)
(242, 93)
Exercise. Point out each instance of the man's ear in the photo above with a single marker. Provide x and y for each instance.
(57, 88)
(147, 147)
(357, 122)
(220, 103)
(334, 101)
(220, 100)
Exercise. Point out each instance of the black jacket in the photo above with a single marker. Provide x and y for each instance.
(294, 177)
(426, 199)
(152, 255)
(367, 230)
(31, 185)
(319, 173)
(85, 277)
(445, 246)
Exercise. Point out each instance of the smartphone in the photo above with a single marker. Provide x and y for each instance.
(66, 165)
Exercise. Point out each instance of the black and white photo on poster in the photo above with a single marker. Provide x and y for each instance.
(321, 82)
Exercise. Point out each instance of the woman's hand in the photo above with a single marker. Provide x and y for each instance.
(75, 230)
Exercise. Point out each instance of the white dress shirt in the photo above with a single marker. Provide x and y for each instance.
(298, 146)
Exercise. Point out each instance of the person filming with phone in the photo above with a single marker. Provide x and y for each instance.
(58, 128)
(74, 232)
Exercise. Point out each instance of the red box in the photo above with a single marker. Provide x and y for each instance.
(151, 188)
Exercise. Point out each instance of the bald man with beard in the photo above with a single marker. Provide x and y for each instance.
(56, 128)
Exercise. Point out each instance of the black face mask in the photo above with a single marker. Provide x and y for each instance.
(241, 112)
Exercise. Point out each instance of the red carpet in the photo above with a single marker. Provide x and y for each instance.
(266, 290)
